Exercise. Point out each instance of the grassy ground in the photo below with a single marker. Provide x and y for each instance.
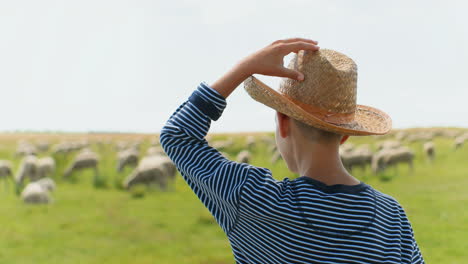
(107, 225)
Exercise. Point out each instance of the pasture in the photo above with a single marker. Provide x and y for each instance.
(90, 222)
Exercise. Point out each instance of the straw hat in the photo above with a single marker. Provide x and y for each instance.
(326, 98)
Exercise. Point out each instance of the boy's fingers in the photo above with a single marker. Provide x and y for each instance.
(296, 40)
(291, 74)
(297, 46)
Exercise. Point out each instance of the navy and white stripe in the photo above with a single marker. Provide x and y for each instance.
(288, 221)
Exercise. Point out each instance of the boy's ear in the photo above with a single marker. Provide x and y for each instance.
(283, 124)
(343, 139)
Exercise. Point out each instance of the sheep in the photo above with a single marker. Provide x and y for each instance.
(392, 157)
(388, 144)
(422, 136)
(35, 193)
(429, 150)
(47, 183)
(152, 169)
(155, 151)
(243, 156)
(401, 135)
(347, 147)
(25, 149)
(250, 142)
(27, 169)
(84, 160)
(43, 146)
(360, 157)
(276, 156)
(127, 157)
(5, 169)
(459, 141)
(61, 148)
(221, 145)
(45, 167)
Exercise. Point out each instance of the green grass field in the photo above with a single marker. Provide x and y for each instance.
(86, 224)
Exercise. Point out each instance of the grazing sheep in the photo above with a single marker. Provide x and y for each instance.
(84, 160)
(388, 144)
(25, 149)
(250, 142)
(273, 148)
(243, 156)
(347, 147)
(152, 169)
(45, 167)
(391, 157)
(35, 193)
(62, 148)
(43, 146)
(221, 145)
(5, 169)
(429, 150)
(268, 140)
(401, 135)
(359, 157)
(127, 157)
(47, 183)
(155, 151)
(459, 141)
(276, 156)
(422, 136)
(27, 169)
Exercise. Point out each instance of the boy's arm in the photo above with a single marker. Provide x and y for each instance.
(214, 179)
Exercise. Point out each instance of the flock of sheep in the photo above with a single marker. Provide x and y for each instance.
(153, 168)
(34, 176)
(383, 155)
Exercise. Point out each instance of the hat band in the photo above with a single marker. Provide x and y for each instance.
(327, 116)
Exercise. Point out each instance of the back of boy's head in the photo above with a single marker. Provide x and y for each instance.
(315, 134)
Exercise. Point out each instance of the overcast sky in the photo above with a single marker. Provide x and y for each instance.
(126, 65)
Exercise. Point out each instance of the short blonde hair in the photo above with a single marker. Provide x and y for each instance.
(317, 134)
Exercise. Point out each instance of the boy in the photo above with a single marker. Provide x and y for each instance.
(324, 216)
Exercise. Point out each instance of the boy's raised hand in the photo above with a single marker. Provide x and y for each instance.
(269, 60)
(266, 61)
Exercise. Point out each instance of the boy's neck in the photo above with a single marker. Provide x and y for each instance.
(322, 162)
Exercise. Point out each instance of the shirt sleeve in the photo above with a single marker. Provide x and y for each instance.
(216, 180)
(416, 257)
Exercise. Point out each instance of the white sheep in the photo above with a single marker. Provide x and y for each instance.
(358, 157)
(392, 157)
(459, 141)
(276, 156)
(35, 193)
(250, 142)
(43, 146)
(47, 183)
(27, 169)
(429, 149)
(388, 144)
(5, 169)
(155, 151)
(127, 157)
(152, 170)
(243, 156)
(45, 167)
(86, 159)
(222, 145)
(25, 149)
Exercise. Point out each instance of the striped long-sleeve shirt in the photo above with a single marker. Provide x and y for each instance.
(287, 221)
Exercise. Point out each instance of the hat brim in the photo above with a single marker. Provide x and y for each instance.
(367, 120)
